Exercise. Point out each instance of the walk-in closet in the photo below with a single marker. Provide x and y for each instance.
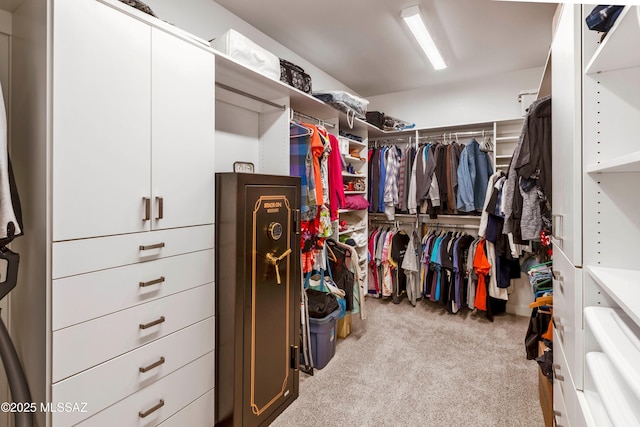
(362, 213)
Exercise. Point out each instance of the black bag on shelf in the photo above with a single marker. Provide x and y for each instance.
(140, 6)
(320, 304)
(602, 17)
(376, 118)
(295, 76)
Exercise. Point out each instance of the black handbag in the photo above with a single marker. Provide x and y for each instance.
(376, 118)
(295, 76)
(320, 304)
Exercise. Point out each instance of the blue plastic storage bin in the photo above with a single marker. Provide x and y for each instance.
(323, 338)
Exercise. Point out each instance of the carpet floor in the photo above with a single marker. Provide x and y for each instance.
(420, 366)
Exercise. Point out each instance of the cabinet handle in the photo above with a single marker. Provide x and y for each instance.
(151, 410)
(152, 282)
(556, 415)
(153, 365)
(147, 208)
(556, 230)
(160, 201)
(557, 376)
(154, 323)
(148, 247)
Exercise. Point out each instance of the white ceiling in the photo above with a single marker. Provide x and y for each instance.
(365, 44)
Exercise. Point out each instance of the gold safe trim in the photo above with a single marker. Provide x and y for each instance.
(254, 407)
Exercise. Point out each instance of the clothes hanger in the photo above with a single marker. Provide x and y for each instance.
(308, 131)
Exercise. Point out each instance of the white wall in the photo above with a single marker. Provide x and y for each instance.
(208, 20)
(474, 101)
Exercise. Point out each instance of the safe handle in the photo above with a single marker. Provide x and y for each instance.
(295, 357)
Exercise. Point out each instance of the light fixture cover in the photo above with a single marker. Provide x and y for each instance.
(413, 19)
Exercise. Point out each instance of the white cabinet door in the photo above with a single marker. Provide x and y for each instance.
(566, 83)
(183, 129)
(101, 121)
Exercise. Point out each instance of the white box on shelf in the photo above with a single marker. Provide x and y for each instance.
(248, 53)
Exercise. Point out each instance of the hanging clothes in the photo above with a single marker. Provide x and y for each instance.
(336, 187)
(10, 208)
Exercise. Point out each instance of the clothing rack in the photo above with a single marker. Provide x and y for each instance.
(248, 95)
(304, 116)
(414, 220)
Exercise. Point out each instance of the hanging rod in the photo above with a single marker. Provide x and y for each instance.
(304, 116)
(248, 95)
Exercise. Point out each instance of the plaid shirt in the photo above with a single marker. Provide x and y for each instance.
(298, 151)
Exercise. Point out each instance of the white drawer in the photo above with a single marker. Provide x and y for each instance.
(567, 312)
(86, 255)
(560, 414)
(121, 376)
(87, 296)
(173, 392)
(198, 414)
(87, 344)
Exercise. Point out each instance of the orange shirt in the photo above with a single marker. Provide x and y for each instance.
(317, 148)
(482, 267)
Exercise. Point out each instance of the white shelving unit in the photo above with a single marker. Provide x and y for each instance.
(598, 223)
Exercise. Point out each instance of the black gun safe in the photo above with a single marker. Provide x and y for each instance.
(257, 273)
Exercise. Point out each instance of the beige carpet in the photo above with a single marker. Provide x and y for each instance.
(421, 366)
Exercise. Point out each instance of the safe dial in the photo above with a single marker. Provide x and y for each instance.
(275, 230)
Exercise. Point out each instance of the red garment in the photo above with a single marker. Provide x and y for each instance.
(372, 260)
(482, 268)
(336, 187)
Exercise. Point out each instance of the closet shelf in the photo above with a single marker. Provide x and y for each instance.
(622, 286)
(615, 52)
(617, 404)
(628, 163)
(341, 211)
(231, 73)
(501, 166)
(355, 192)
(508, 138)
(353, 159)
(352, 230)
(353, 142)
(353, 175)
(504, 156)
(619, 339)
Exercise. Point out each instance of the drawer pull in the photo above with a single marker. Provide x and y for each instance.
(151, 410)
(153, 365)
(152, 282)
(556, 375)
(148, 247)
(147, 208)
(160, 201)
(154, 323)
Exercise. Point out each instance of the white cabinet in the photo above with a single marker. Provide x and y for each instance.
(182, 123)
(566, 82)
(133, 125)
(115, 140)
(101, 149)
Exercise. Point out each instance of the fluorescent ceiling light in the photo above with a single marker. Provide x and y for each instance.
(413, 18)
